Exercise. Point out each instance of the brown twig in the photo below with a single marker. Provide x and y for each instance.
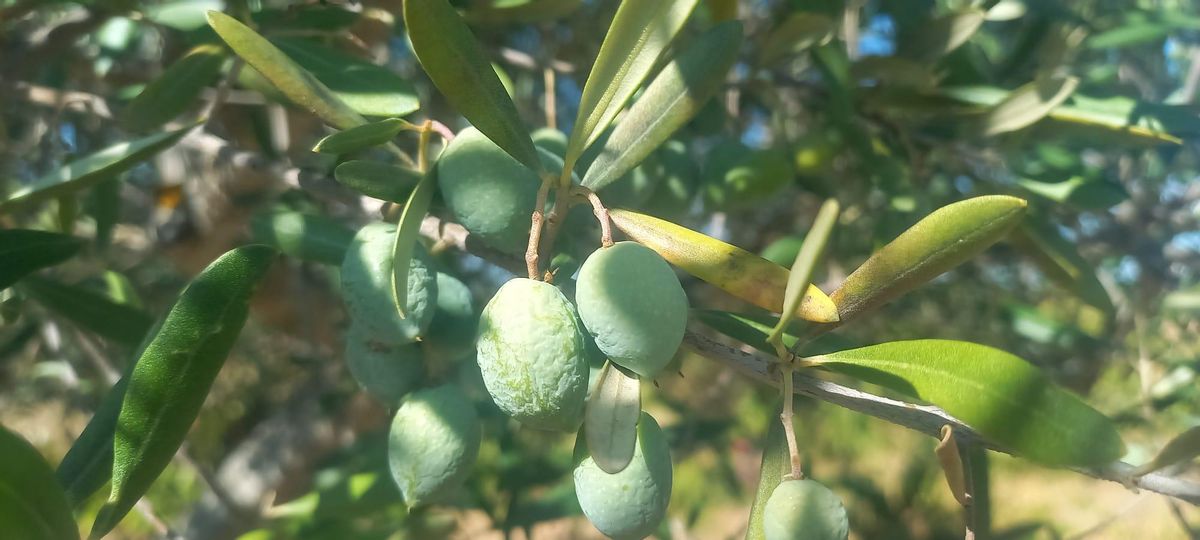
(535, 227)
(600, 212)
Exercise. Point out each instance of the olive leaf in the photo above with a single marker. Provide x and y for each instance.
(1183, 447)
(1027, 104)
(90, 310)
(753, 328)
(86, 171)
(32, 505)
(174, 372)
(88, 464)
(1079, 192)
(458, 67)
(377, 179)
(361, 137)
(309, 237)
(300, 86)
(1059, 260)
(611, 417)
(25, 251)
(942, 35)
(639, 33)
(1002, 397)
(407, 231)
(669, 102)
(368, 89)
(175, 89)
(776, 462)
(942, 240)
(734, 270)
(521, 11)
(805, 263)
(800, 31)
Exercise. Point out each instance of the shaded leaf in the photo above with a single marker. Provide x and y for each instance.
(942, 240)
(799, 32)
(942, 35)
(408, 229)
(734, 270)
(377, 179)
(361, 137)
(776, 462)
(458, 67)
(309, 237)
(32, 505)
(1184, 447)
(24, 251)
(1059, 260)
(86, 171)
(1002, 397)
(300, 86)
(639, 33)
(1079, 192)
(175, 90)
(669, 102)
(88, 464)
(1028, 104)
(805, 263)
(520, 11)
(173, 374)
(90, 310)
(610, 420)
(752, 329)
(368, 89)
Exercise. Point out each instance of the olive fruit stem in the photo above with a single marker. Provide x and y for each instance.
(535, 227)
(786, 417)
(600, 212)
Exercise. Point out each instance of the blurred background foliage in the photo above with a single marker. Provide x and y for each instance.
(1084, 107)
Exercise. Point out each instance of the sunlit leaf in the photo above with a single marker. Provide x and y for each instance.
(176, 89)
(669, 102)
(1028, 104)
(1184, 447)
(368, 89)
(90, 310)
(361, 137)
(25, 251)
(407, 231)
(1060, 261)
(86, 171)
(611, 417)
(942, 35)
(377, 179)
(806, 261)
(1004, 398)
(1078, 192)
(639, 33)
(459, 68)
(942, 240)
(734, 270)
(32, 505)
(173, 374)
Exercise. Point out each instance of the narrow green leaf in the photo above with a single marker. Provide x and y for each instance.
(942, 240)
(637, 36)
(669, 102)
(177, 88)
(1184, 447)
(734, 270)
(458, 67)
(942, 35)
(1002, 397)
(24, 251)
(1027, 104)
(87, 171)
(171, 378)
(368, 89)
(104, 204)
(88, 465)
(308, 237)
(1079, 192)
(300, 86)
(610, 420)
(361, 137)
(800, 31)
(805, 263)
(32, 505)
(521, 11)
(377, 179)
(1060, 261)
(776, 462)
(753, 328)
(90, 310)
(407, 231)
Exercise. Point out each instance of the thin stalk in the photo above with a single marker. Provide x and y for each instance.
(788, 430)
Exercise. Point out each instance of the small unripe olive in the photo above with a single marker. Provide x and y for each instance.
(433, 443)
(551, 140)
(367, 287)
(632, 304)
(531, 355)
(783, 251)
(387, 372)
(678, 176)
(735, 175)
(804, 510)
(629, 504)
(451, 334)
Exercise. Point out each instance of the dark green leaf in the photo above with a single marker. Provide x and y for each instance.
(104, 203)
(800, 31)
(88, 464)
(87, 171)
(1002, 397)
(610, 420)
(671, 99)
(1060, 261)
(173, 91)
(300, 86)
(173, 374)
(942, 35)
(776, 462)
(639, 33)
(458, 67)
(407, 232)
(376, 179)
(32, 505)
(90, 310)
(1184, 447)
(361, 137)
(753, 328)
(24, 251)
(521, 11)
(942, 240)
(369, 89)
(1078, 192)
(308, 237)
